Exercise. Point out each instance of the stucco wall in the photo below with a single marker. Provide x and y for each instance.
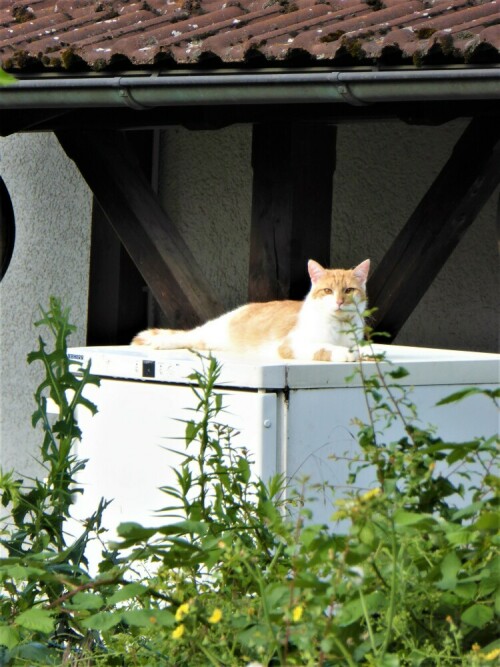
(206, 188)
(383, 170)
(52, 207)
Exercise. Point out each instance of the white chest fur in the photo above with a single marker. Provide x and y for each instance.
(320, 322)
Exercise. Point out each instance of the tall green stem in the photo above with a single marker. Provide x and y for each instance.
(392, 596)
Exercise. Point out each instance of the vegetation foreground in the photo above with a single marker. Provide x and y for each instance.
(244, 575)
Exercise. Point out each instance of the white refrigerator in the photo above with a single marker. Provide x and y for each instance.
(293, 417)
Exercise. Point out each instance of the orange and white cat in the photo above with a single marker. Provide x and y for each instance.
(326, 326)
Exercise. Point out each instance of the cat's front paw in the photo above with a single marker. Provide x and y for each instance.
(335, 353)
(148, 337)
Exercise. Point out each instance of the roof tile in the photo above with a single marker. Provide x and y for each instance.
(54, 35)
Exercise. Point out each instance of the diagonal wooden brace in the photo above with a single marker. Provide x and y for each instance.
(114, 175)
(447, 210)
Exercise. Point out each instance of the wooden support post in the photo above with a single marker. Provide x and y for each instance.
(118, 297)
(438, 223)
(114, 174)
(293, 167)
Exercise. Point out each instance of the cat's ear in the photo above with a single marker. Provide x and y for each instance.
(316, 271)
(361, 271)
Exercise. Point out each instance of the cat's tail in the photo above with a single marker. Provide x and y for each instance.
(167, 339)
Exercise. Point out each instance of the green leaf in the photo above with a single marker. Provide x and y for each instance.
(6, 78)
(389, 660)
(39, 620)
(191, 432)
(309, 534)
(255, 635)
(469, 510)
(165, 618)
(184, 528)
(478, 615)
(87, 601)
(398, 373)
(244, 470)
(126, 593)
(469, 391)
(103, 620)
(9, 636)
(276, 594)
(352, 611)
(489, 521)
(404, 518)
(467, 592)
(143, 618)
(20, 572)
(134, 531)
(450, 566)
(33, 653)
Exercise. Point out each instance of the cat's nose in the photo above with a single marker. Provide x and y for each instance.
(340, 302)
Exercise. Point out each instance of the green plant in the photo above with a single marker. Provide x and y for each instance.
(240, 573)
(39, 563)
(247, 576)
(6, 78)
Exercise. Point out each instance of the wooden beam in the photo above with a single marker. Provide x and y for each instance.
(293, 167)
(118, 296)
(114, 175)
(213, 117)
(438, 223)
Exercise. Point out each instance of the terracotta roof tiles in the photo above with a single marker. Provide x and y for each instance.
(102, 35)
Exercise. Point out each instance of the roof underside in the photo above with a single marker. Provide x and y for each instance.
(73, 36)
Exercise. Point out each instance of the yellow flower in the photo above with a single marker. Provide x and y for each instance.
(475, 647)
(178, 632)
(492, 654)
(216, 616)
(297, 613)
(369, 495)
(182, 610)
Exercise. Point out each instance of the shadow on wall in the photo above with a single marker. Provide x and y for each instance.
(7, 229)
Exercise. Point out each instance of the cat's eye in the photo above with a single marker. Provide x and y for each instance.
(349, 290)
(327, 290)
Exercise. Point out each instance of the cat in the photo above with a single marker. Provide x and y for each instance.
(326, 326)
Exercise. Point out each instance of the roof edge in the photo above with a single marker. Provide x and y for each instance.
(157, 90)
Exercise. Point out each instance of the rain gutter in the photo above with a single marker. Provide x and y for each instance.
(146, 91)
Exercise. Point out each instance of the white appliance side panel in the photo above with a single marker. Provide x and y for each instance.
(128, 442)
(322, 440)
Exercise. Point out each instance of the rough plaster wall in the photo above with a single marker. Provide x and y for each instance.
(383, 170)
(206, 188)
(52, 207)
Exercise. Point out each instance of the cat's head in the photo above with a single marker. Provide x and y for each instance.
(341, 292)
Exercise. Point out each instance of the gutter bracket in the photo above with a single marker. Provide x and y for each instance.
(128, 98)
(349, 97)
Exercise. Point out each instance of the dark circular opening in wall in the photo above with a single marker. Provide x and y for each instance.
(7, 229)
